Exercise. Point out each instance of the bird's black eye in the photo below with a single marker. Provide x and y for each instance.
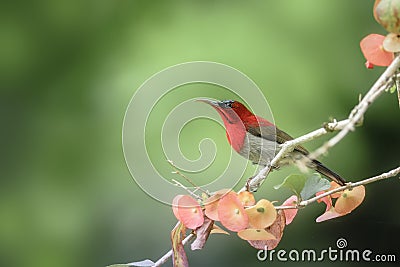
(228, 103)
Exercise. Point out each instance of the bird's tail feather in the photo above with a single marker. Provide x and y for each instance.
(319, 167)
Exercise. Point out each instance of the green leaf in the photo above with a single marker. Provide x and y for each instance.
(392, 89)
(314, 183)
(294, 182)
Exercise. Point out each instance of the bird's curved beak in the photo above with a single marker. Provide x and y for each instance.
(227, 114)
(209, 101)
(215, 104)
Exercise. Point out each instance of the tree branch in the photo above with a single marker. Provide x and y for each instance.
(382, 176)
(356, 115)
(343, 126)
(303, 203)
(288, 146)
(168, 255)
(384, 82)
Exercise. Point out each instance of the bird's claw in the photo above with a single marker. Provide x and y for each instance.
(249, 187)
(274, 167)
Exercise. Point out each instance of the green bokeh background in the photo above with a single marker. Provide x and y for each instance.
(69, 69)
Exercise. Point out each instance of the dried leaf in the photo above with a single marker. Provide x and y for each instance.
(179, 258)
(255, 234)
(290, 213)
(231, 213)
(218, 230)
(187, 210)
(211, 204)
(211, 207)
(329, 214)
(261, 215)
(335, 185)
(350, 199)
(392, 42)
(327, 200)
(202, 234)
(372, 48)
(246, 198)
(276, 229)
(386, 13)
(369, 65)
(175, 206)
(375, 4)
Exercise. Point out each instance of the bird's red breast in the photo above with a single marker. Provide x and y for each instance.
(238, 121)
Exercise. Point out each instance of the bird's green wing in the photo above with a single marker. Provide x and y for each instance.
(272, 133)
(283, 137)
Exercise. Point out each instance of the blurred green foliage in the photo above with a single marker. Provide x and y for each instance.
(69, 68)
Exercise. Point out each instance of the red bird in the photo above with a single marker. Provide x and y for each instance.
(258, 140)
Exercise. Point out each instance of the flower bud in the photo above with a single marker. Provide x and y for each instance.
(387, 13)
(392, 43)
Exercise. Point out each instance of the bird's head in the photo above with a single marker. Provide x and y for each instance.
(233, 114)
(237, 120)
(231, 111)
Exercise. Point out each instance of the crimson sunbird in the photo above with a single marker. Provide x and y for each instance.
(258, 140)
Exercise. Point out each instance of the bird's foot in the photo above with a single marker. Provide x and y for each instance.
(251, 187)
(275, 167)
(248, 182)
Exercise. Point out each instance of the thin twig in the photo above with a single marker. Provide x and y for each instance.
(382, 176)
(345, 126)
(168, 255)
(176, 171)
(358, 112)
(303, 203)
(288, 146)
(185, 188)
